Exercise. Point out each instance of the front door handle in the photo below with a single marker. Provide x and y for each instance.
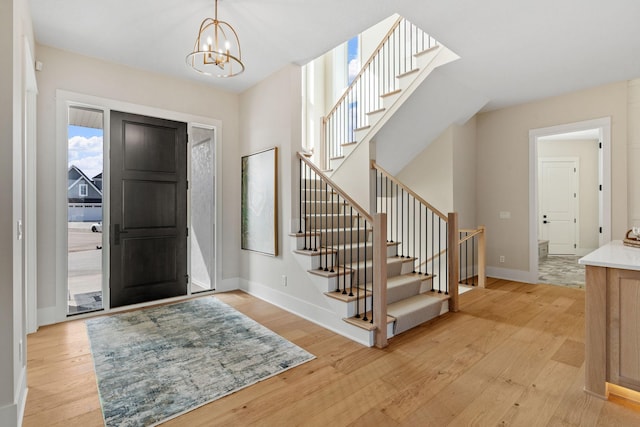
(116, 234)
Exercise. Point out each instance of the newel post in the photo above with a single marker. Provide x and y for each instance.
(380, 279)
(453, 240)
(482, 257)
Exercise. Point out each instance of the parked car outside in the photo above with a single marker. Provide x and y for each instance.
(96, 227)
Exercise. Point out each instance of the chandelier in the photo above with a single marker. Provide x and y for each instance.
(217, 49)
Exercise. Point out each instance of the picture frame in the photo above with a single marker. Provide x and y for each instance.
(259, 202)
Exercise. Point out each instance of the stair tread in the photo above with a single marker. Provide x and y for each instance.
(390, 260)
(362, 128)
(340, 229)
(401, 280)
(319, 214)
(424, 52)
(359, 322)
(379, 110)
(305, 234)
(407, 73)
(311, 252)
(393, 92)
(348, 144)
(348, 298)
(337, 271)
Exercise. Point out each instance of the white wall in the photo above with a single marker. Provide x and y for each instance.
(587, 153)
(80, 74)
(15, 27)
(503, 165)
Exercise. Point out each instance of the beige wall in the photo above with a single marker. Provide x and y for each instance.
(444, 173)
(430, 173)
(587, 153)
(270, 113)
(80, 74)
(15, 28)
(464, 173)
(503, 164)
(634, 152)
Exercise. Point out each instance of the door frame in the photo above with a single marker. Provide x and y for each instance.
(575, 189)
(66, 99)
(604, 167)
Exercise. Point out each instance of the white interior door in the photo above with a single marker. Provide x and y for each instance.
(558, 201)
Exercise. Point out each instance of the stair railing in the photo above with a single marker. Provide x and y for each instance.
(350, 242)
(393, 57)
(473, 256)
(419, 229)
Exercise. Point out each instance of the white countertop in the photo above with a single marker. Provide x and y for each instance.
(614, 255)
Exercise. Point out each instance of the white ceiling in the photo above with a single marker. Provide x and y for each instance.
(511, 51)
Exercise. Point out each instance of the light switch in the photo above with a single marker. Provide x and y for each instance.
(19, 229)
(505, 215)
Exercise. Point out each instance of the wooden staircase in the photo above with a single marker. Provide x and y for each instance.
(337, 250)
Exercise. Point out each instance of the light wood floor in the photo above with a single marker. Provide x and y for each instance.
(513, 355)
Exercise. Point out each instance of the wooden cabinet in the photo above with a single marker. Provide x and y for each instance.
(612, 340)
(623, 293)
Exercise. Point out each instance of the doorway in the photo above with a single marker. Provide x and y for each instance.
(212, 240)
(570, 198)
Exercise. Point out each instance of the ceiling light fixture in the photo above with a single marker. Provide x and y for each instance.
(217, 49)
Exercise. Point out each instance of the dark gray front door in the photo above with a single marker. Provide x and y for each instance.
(148, 251)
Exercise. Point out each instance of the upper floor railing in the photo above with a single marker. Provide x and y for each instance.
(394, 57)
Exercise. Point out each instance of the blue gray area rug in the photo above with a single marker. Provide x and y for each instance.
(158, 363)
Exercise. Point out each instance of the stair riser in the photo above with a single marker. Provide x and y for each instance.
(313, 183)
(402, 292)
(349, 309)
(338, 237)
(359, 275)
(351, 255)
(318, 206)
(303, 242)
(317, 222)
(311, 195)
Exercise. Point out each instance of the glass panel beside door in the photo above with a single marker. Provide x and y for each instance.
(203, 196)
(84, 212)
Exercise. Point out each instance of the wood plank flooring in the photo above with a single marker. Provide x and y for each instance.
(513, 355)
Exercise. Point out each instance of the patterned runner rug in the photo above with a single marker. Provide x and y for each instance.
(158, 363)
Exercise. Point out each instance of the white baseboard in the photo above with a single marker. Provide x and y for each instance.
(12, 415)
(227, 285)
(508, 274)
(311, 312)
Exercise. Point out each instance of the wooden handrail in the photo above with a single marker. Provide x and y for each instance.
(363, 69)
(359, 209)
(473, 234)
(374, 165)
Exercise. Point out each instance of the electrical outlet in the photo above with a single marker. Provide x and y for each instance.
(20, 350)
(284, 280)
(501, 258)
